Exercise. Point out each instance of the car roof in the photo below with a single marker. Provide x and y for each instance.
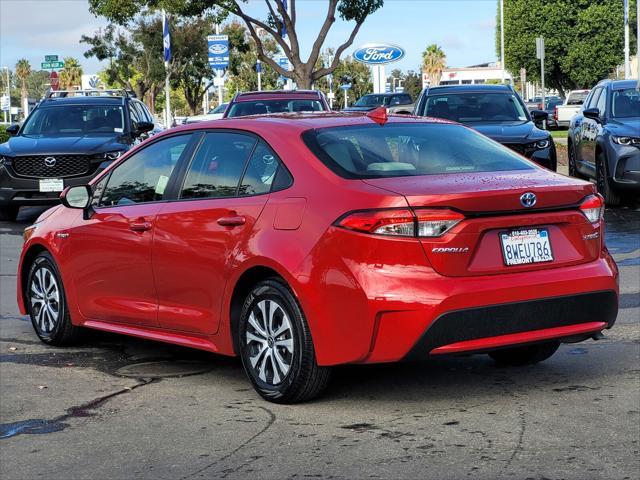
(296, 123)
(277, 95)
(621, 84)
(82, 100)
(470, 88)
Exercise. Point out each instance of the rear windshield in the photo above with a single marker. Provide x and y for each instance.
(262, 107)
(403, 149)
(577, 98)
(75, 120)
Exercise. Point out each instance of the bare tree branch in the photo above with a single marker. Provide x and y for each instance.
(324, 30)
(336, 57)
(250, 21)
(291, 30)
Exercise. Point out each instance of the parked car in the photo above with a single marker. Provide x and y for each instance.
(496, 111)
(571, 107)
(604, 140)
(213, 114)
(66, 140)
(536, 102)
(395, 103)
(299, 242)
(550, 108)
(276, 101)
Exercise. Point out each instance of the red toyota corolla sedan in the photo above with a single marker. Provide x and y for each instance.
(299, 242)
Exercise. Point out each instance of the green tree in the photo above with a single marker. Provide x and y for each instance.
(23, 70)
(413, 84)
(433, 62)
(583, 39)
(360, 75)
(274, 20)
(71, 74)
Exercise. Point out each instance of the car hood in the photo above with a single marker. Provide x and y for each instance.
(627, 127)
(506, 132)
(36, 145)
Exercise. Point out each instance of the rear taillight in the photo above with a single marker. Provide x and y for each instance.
(593, 208)
(555, 114)
(402, 222)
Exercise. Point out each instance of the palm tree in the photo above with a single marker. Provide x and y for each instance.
(433, 62)
(71, 74)
(23, 70)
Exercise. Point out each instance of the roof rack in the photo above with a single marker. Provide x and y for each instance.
(114, 92)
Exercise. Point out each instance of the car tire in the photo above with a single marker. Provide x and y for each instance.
(603, 183)
(10, 213)
(525, 355)
(47, 304)
(275, 345)
(571, 161)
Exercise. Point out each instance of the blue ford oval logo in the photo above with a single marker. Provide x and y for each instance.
(218, 48)
(378, 53)
(528, 199)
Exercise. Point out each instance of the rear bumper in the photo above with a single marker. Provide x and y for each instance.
(494, 326)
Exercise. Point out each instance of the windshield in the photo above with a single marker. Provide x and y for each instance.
(577, 98)
(263, 107)
(476, 107)
(404, 149)
(625, 103)
(75, 120)
(371, 101)
(219, 109)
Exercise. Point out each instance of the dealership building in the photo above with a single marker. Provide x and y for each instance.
(475, 74)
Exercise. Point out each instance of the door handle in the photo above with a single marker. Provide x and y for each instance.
(231, 221)
(140, 225)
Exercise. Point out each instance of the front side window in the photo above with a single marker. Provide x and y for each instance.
(403, 149)
(144, 176)
(217, 166)
(75, 120)
(474, 107)
(625, 103)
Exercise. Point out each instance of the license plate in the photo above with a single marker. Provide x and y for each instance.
(51, 185)
(531, 245)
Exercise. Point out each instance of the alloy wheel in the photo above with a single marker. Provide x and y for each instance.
(269, 341)
(44, 294)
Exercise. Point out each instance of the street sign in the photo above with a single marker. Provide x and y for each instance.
(51, 65)
(346, 86)
(218, 51)
(51, 58)
(284, 63)
(540, 48)
(4, 103)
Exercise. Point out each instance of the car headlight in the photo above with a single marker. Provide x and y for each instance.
(540, 144)
(113, 155)
(626, 140)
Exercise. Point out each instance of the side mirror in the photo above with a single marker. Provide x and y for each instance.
(539, 115)
(13, 130)
(76, 197)
(592, 113)
(142, 128)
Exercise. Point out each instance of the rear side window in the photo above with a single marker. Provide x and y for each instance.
(261, 171)
(218, 165)
(371, 151)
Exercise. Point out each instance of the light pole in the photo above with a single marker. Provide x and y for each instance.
(627, 65)
(502, 40)
(8, 97)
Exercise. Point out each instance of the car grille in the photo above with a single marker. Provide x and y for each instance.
(41, 166)
(525, 149)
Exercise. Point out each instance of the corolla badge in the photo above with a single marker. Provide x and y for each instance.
(528, 199)
(218, 48)
(378, 53)
(50, 162)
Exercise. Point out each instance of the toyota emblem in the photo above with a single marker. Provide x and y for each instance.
(528, 199)
(50, 162)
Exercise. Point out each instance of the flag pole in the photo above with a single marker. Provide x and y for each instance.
(166, 41)
(627, 65)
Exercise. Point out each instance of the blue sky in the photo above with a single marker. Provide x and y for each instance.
(464, 29)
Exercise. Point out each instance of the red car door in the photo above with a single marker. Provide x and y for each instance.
(111, 262)
(198, 238)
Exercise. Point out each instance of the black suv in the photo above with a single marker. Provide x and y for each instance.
(604, 140)
(66, 140)
(496, 111)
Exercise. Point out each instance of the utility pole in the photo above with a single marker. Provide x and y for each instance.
(627, 64)
(502, 40)
(540, 55)
(8, 97)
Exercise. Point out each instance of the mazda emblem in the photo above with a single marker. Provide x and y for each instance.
(50, 162)
(528, 199)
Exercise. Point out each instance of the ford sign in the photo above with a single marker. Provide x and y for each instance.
(218, 48)
(378, 54)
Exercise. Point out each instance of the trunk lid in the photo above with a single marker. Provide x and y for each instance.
(492, 207)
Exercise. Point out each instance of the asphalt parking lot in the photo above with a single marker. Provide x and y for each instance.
(71, 414)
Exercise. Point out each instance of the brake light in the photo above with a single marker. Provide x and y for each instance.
(555, 114)
(402, 222)
(593, 208)
(434, 223)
